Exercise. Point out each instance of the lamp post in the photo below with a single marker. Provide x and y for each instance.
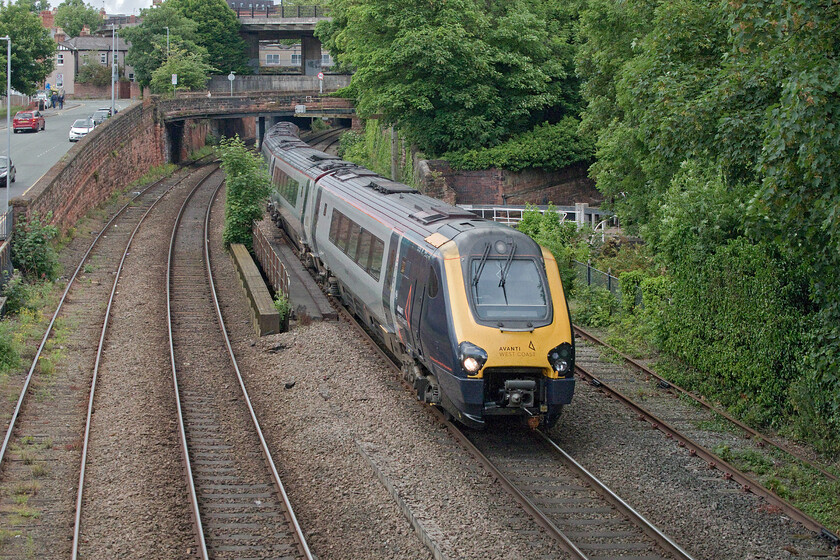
(167, 42)
(8, 132)
(113, 64)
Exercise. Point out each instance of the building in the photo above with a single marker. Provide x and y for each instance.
(282, 56)
(73, 54)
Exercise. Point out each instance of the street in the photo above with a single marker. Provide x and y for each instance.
(34, 153)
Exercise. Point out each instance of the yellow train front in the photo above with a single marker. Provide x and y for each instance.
(492, 329)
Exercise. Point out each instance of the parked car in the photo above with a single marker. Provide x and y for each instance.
(29, 120)
(100, 115)
(80, 128)
(41, 96)
(7, 173)
(110, 114)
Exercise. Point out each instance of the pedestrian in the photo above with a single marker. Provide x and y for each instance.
(53, 100)
(61, 98)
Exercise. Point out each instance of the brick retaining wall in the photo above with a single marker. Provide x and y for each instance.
(498, 186)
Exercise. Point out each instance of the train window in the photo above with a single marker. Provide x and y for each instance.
(353, 241)
(376, 254)
(357, 243)
(363, 254)
(522, 295)
(325, 209)
(286, 186)
(434, 285)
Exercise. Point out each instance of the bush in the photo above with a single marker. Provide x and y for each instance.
(547, 146)
(735, 320)
(248, 186)
(32, 252)
(565, 241)
(9, 351)
(282, 305)
(17, 293)
(596, 306)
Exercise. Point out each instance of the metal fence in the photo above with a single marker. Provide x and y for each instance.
(270, 262)
(594, 277)
(254, 10)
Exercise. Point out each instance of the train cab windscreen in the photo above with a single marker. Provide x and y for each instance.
(505, 289)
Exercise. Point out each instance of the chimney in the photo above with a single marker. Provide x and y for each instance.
(85, 32)
(60, 36)
(47, 19)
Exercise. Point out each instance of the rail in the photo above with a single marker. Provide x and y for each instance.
(254, 9)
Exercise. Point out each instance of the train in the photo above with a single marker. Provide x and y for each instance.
(474, 310)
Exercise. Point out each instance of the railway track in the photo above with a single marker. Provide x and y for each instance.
(652, 402)
(239, 506)
(586, 518)
(325, 140)
(48, 419)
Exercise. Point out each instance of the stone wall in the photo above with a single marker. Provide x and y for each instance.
(498, 186)
(124, 90)
(115, 153)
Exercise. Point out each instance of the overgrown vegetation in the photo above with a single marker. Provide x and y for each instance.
(248, 187)
(32, 250)
(547, 146)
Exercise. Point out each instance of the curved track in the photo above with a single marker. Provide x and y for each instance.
(48, 428)
(619, 384)
(239, 505)
(586, 518)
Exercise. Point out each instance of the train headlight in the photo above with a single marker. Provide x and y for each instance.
(562, 359)
(472, 357)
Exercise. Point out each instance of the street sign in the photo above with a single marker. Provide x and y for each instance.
(231, 77)
(174, 79)
(320, 75)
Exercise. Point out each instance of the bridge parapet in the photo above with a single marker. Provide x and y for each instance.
(191, 106)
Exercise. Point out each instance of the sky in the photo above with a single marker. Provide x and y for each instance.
(126, 7)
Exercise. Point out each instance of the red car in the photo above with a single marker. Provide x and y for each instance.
(29, 120)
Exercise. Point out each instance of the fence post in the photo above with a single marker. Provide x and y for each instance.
(588, 273)
(609, 279)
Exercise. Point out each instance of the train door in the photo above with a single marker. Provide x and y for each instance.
(411, 287)
(434, 334)
(305, 214)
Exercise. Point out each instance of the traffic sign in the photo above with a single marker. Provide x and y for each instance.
(174, 79)
(320, 75)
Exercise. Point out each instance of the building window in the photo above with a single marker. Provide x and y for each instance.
(116, 56)
(326, 60)
(296, 58)
(85, 59)
(103, 58)
(131, 76)
(272, 59)
(59, 59)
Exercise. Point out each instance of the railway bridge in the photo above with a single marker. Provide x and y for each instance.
(156, 131)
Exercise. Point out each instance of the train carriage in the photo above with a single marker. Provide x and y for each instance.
(474, 309)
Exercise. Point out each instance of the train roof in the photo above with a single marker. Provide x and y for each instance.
(395, 204)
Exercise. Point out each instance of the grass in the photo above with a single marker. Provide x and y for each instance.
(204, 151)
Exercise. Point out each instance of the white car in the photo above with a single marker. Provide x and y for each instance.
(80, 128)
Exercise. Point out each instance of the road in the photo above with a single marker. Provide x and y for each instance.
(34, 153)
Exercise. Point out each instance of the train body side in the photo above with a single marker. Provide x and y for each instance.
(422, 275)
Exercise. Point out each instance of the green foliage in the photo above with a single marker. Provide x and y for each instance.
(349, 144)
(96, 74)
(457, 75)
(217, 31)
(32, 48)
(148, 48)
(282, 305)
(190, 67)
(34, 6)
(32, 250)
(734, 319)
(561, 237)
(595, 306)
(73, 15)
(247, 188)
(548, 146)
(17, 293)
(630, 283)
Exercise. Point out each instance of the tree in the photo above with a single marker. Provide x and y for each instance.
(35, 6)
(32, 48)
(73, 15)
(148, 40)
(217, 31)
(191, 69)
(461, 74)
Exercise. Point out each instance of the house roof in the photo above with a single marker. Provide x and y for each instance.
(92, 43)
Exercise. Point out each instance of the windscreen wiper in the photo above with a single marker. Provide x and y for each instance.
(481, 264)
(507, 265)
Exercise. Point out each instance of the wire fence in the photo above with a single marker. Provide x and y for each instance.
(591, 276)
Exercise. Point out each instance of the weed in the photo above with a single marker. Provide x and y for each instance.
(39, 470)
(88, 268)
(29, 488)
